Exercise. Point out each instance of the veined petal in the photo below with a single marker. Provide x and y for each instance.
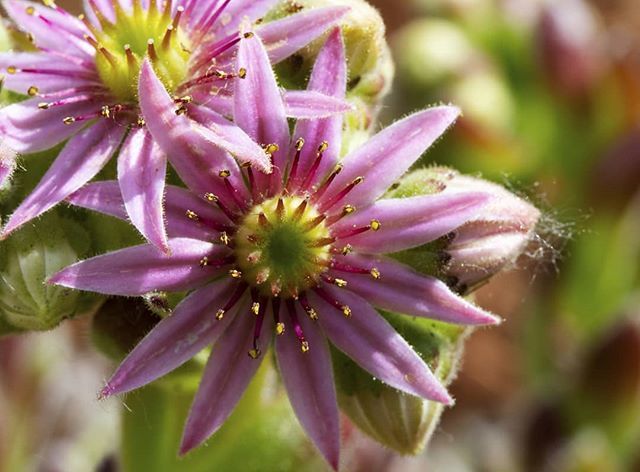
(410, 222)
(46, 72)
(237, 12)
(258, 107)
(140, 269)
(402, 290)
(284, 37)
(27, 129)
(308, 378)
(51, 29)
(390, 153)
(103, 7)
(226, 377)
(142, 169)
(314, 132)
(307, 104)
(80, 160)
(177, 338)
(196, 158)
(372, 342)
(106, 198)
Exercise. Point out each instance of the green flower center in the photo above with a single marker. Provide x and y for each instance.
(122, 46)
(282, 246)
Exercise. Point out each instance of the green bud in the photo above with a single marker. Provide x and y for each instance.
(27, 258)
(402, 422)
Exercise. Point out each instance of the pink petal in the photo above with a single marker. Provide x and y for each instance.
(308, 378)
(176, 339)
(410, 222)
(46, 72)
(225, 379)
(27, 129)
(310, 105)
(142, 169)
(51, 29)
(140, 269)
(402, 290)
(80, 160)
(237, 12)
(104, 7)
(106, 198)
(390, 153)
(194, 151)
(314, 132)
(372, 342)
(286, 36)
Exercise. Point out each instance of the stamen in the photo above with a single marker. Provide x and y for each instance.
(231, 190)
(212, 198)
(255, 352)
(374, 272)
(110, 57)
(166, 39)
(307, 307)
(325, 185)
(343, 193)
(235, 273)
(322, 242)
(346, 311)
(31, 91)
(280, 328)
(176, 18)
(346, 210)
(316, 164)
(314, 222)
(297, 214)
(294, 167)
(332, 280)
(240, 289)
(216, 264)
(373, 226)
(297, 328)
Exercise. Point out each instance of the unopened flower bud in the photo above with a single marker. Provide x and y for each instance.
(569, 46)
(399, 421)
(7, 165)
(369, 60)
(27, 258)
(489, 242)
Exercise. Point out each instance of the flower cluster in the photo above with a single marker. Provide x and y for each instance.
(278, 238)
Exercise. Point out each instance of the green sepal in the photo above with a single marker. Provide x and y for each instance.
(397, 420)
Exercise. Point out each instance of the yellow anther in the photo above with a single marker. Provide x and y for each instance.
(210, 197)
(181, 110)
(224, 173)
(224, 238)
(346, 311)
(32, 91)
(271, 148)
(235, 273)
(358, 180)
(323, 147)
(69, 120)
(248, 35)
(141, 122)
(348, 249)
(220, 314)
(348, 209)
(340, 282)
(12, 70)
(280, 329)
(192, 215)
(375, 273)
(30, 10)
(204, 262)
(304, 346)
(254, 353)
(242, 73)
(299, 144)
(313, 314)
(105, 111)
(255, 308)
(375, 225)
(43, 105)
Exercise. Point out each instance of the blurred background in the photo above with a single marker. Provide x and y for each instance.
(550, 92)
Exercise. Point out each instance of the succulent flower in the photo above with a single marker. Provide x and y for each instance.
(82, 83)
(298, 252)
